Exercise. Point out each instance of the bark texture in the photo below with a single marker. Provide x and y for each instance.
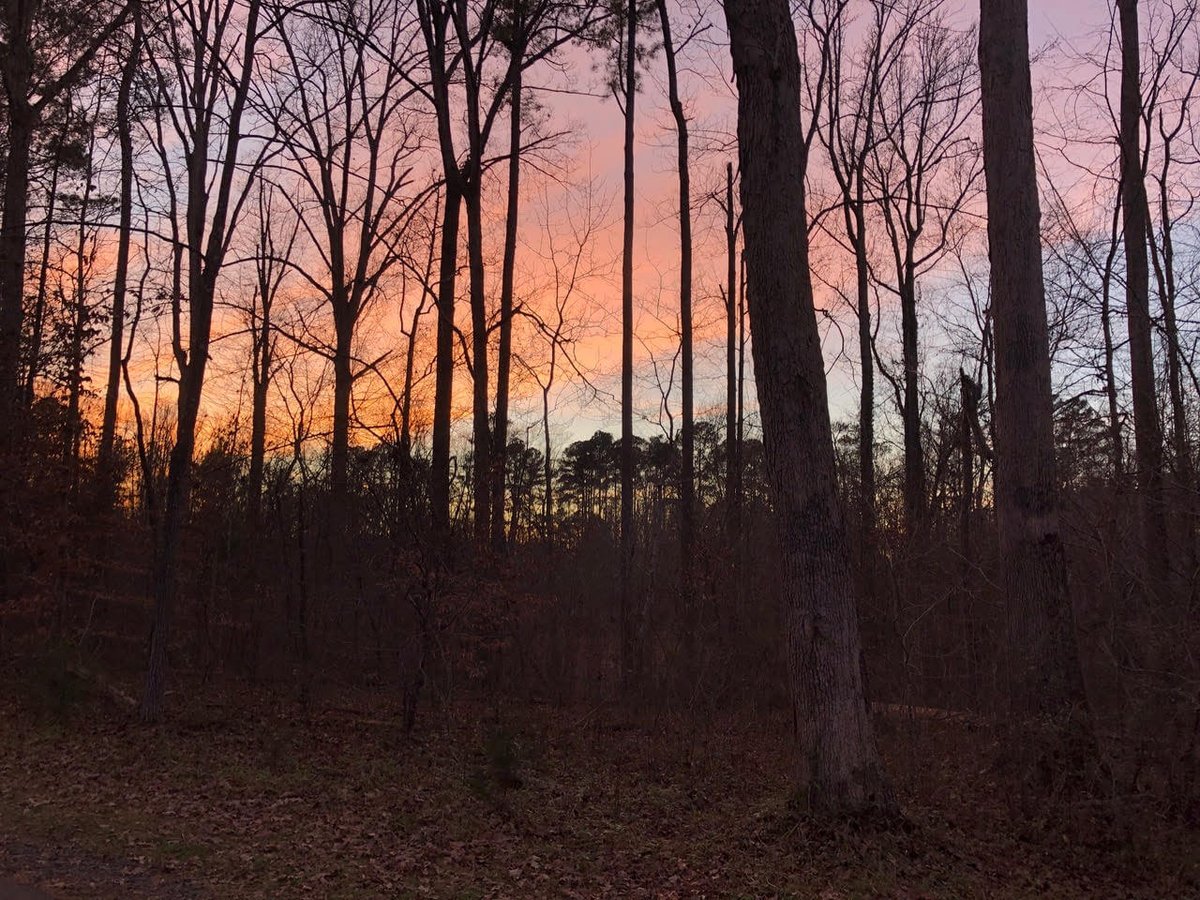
(1148, 441)
(840, 769)
(1043, 670)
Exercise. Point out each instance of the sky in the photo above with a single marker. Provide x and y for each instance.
(592, 152)
(713, 103)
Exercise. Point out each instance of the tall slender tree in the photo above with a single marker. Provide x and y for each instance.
(627, 89)
(840, 768)
(687, 476)
(112, 386)
(1147, 428)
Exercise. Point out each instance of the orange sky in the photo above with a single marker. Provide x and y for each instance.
(594, 153)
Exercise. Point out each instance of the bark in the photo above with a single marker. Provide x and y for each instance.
(732, 498)
(1146, 426)
(343, 385)
(914, 451)
(439, 488)
(508, 266)
(687, 492)
(481, 476)
(1043, 672)
(21, 122)
(112, 388)
(38, 325)
(840, 768)
(627, 536)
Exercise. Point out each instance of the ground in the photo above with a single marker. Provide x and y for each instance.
(252, 796)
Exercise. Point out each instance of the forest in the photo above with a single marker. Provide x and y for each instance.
(599, 448)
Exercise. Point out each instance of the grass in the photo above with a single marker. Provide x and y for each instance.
(245, 796)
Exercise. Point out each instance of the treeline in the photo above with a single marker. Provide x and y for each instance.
(294, 302)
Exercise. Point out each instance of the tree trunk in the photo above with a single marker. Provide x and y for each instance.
(504, 350)
(21, 121)
(439, 488)
(258, 414)
(732, 500)
(1115, 439)
(914, 453)
(78, 326)
(482, 474)
(1043, 669)
(839, 765)
(164, 583)
(112, 388)
(687, 492)
(627, 536)
(38, 326)
(339, 457)
(866, 364)
(1146, 426)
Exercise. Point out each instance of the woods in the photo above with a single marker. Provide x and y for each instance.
(745, 374)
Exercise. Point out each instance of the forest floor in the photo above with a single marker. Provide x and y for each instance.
(251, 796)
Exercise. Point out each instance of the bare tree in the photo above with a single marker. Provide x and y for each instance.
(839, 766)
(849, 136)
(205, 68)
(112, 389)
(1043, 674)
(343, 119)
(924, 167)
(625, 87)
(687, 492)
(272, 260)
(1135, 223)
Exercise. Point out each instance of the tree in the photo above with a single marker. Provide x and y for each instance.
(687, 480)
(924, 166)
(531, 30)
(849, 136)
(342, 117)
(272, 260)
(112, 387)
(733, 500)
(625, 87)
(1043, 675)
(434, 18)
(204, 70)
(1147, 429)
(839, 765)
(45, 49)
